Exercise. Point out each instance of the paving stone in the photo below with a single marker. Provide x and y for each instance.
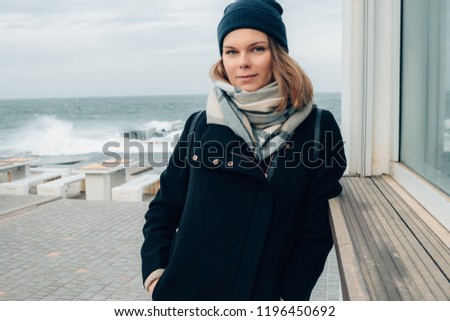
(15, 202)
(85, 250)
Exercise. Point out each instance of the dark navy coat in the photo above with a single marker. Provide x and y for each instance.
(222, 231)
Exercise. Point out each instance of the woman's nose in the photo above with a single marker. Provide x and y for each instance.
(244, 61)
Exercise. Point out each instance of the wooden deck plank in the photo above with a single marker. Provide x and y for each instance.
(389, 251)
(357, 239)
(421, 230)
(394, 266)
(407, 254)
(423, 233)
(377, 245)
(423, 262)
(432, 275)
(376, 286)
(365, 257)
(442, 233)
(353, 285)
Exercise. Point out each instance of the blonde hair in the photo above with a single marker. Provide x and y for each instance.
(296, 88)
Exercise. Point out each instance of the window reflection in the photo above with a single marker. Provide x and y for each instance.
(425, 98)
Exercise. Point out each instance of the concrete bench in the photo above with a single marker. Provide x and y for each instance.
(60, 186)
(41, 170)
(136, 170)
(134, 189)
(14, 168)
(22, 186)
(388, 246)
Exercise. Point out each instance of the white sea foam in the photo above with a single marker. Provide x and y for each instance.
(47, 135)
(164, 126)
(50, 136)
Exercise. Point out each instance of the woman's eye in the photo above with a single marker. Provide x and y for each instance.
(259, 49)
(231, 52)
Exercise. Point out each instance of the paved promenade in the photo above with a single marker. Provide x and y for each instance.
(83, 250)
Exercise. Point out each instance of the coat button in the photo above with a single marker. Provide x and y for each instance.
(194, 158)
(230, 164)
(216, 161)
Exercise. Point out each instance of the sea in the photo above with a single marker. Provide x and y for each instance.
(71, 132)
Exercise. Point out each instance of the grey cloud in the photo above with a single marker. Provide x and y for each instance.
(121, 12)
(127, 46)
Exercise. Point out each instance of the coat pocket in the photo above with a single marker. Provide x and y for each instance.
(155, 293)
(156, 290)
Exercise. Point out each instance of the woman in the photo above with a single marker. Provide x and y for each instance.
(246, 218)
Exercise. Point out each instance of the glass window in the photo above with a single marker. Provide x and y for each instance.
(425, 86)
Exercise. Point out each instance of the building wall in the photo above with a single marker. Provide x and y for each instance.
(370, 84)
(371, 99)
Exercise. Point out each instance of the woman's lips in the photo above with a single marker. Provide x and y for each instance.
(246, 77)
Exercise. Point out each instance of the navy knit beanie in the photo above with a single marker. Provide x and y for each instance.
(262, 15)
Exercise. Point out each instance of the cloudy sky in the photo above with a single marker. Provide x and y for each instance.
(78, 48)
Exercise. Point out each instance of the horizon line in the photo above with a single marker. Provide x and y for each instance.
(129, 96)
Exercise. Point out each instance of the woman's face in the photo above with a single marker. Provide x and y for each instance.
(247, 59)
